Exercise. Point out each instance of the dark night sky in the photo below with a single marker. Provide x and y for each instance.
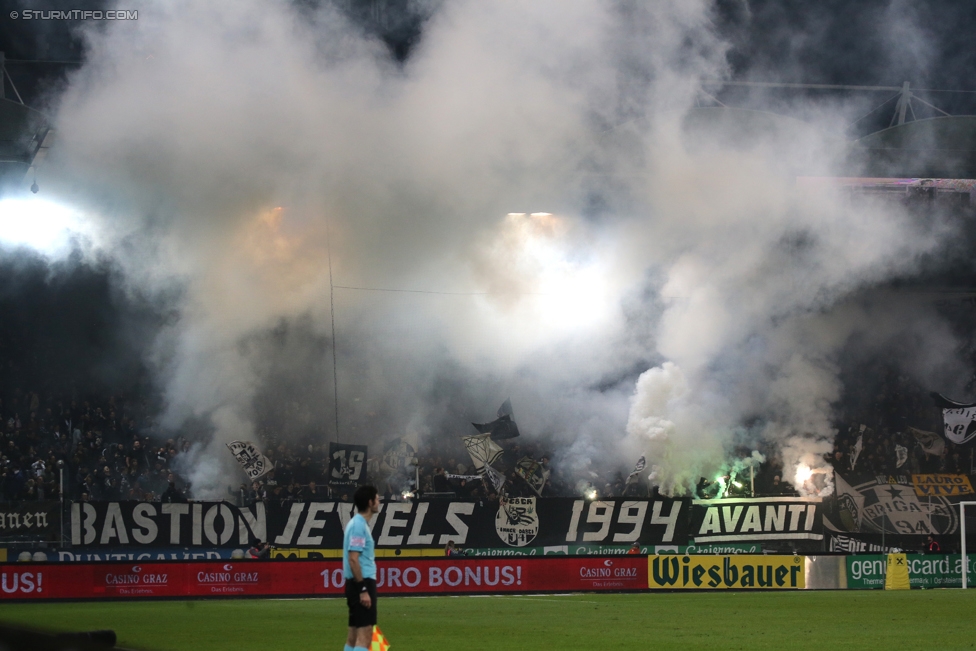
(875, 42)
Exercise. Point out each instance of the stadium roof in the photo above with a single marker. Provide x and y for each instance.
(24, 137)
(943, 147)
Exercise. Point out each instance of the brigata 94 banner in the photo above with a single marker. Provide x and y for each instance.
(318, 578)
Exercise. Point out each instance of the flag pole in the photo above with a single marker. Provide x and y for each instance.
(335, 373)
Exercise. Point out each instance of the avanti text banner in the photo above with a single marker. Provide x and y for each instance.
(750, 519)
(312, 578)
(867, 571)
(724, 572)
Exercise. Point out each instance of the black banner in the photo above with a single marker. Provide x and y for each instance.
(154, 524)
(519, 522)
(748, 519)
(29, 520)
(867, 543)
(347, 464)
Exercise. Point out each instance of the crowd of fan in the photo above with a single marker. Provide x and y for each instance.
(300, 474)
(105, 450)
(98, 449)
(879, 453)
(896, 407)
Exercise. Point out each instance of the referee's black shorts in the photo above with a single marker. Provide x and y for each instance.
(360, 616)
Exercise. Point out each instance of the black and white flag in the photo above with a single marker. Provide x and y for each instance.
(533, 473)
(901, 455)
(850, 504)
(494, 478)
(347, 463)
(398, 454)
(483, 450)
(634, 476)
(503, 427)
(959, 420)
(930, 442)
(858, 446)
(255, 464)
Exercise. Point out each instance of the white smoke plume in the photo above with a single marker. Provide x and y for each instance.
(527, 171)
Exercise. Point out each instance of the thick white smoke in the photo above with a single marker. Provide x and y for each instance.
(234, 150)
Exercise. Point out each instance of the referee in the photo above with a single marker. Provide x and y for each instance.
(359, 569)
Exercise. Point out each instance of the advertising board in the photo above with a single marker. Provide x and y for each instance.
(724, 572)
(310, 578)
(867, 571)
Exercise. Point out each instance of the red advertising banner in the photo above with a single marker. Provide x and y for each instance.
(319, 577)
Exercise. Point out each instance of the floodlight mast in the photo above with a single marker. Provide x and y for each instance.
(962, 529)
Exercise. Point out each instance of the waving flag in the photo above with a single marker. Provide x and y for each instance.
(482, 449)
(858, 446)
(495, 478)
(503, 427)
(959, 420)
(533, 473)
(398, 454)
(255, 464)
(930, 442)
(634, 476)
(901, 455)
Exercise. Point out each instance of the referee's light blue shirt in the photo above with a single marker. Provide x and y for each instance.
(358, 538)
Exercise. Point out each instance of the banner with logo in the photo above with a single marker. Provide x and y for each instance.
(347, 463)
(517, 522)
(868, 571)
(318, 578)
(32, 521)
(724, 572)
(897, 505)
(873, 543)
(757, 519)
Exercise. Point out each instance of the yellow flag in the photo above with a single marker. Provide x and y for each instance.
(896, 576)
(379, 642)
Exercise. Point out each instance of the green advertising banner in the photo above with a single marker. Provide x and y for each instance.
(867, 571)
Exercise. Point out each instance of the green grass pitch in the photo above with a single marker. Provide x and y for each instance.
(892, 621)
